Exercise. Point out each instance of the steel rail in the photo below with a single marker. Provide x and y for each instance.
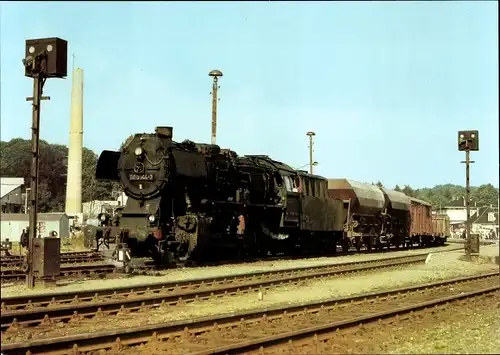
(69, 254)
(310, 332)
(66, 270)
(320, 311)
(39, 309)
(66, 260)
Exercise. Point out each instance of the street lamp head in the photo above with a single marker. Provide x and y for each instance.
(310, 134)
(215, 73)
(315, 163)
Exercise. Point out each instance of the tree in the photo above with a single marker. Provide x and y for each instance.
(15, 160)
(407, 190)
(485, 195)
(397, 188)
(126, 142)
(93, 189)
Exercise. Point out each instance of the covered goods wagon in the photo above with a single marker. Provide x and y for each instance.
(363, 206)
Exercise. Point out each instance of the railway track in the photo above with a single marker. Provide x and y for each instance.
(446, 248)
(272, 327)
(62, 307)
(67, 254)
(66, 271)
(66, 258)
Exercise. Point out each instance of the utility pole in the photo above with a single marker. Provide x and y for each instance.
(38, 82)
(215, 86)
(26, 200)
(469, 141)
(45, 58)
(311, 143)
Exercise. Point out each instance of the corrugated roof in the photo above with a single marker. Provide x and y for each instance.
(25, 217)
(9, 184)
(399, 200)
(367, 194)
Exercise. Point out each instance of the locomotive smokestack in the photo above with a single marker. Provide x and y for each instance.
(74, 178)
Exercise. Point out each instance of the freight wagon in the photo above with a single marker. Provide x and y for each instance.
(374, 217)
(377, 217)
(441, 226)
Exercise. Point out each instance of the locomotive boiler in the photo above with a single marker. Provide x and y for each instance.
(191, 201)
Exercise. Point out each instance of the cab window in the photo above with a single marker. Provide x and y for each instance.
(319, 190)
(305, 186)
(312, 191)
(288, 183)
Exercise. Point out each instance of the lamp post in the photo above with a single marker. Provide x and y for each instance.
(303, 166)
(216, 74)
(311, 143)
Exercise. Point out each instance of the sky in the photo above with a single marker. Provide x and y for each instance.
(384, 85)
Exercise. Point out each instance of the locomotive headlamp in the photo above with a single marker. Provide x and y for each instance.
(151, 218)
(138, 151)
(103, 217)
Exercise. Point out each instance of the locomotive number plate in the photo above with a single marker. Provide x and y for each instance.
(141, 177)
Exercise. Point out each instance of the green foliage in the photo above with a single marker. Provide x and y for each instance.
(126, 142)
(15, 160)
(444, 195)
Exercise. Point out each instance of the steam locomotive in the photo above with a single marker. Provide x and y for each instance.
(194, 202)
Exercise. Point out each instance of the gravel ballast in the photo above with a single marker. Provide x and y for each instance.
(210, 271)
(456, 330)
(441, 266)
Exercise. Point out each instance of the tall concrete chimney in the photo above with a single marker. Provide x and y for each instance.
(74, 182)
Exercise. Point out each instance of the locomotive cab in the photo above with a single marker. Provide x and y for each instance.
(292, 210)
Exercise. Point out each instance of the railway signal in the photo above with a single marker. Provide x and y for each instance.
(469, 141)
(44, 58)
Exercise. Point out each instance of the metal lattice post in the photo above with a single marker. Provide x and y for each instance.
(311, 143)
(35, 152)
(215, 86)
(468, 239)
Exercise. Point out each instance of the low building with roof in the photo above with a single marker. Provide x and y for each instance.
(12, 225)
(457, 211)
(11, 194)
(485, 222)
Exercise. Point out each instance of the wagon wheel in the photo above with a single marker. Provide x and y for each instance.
(358, 243)
(369, 245)
(346, 244)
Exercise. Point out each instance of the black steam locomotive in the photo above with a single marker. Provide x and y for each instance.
(190, 201)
